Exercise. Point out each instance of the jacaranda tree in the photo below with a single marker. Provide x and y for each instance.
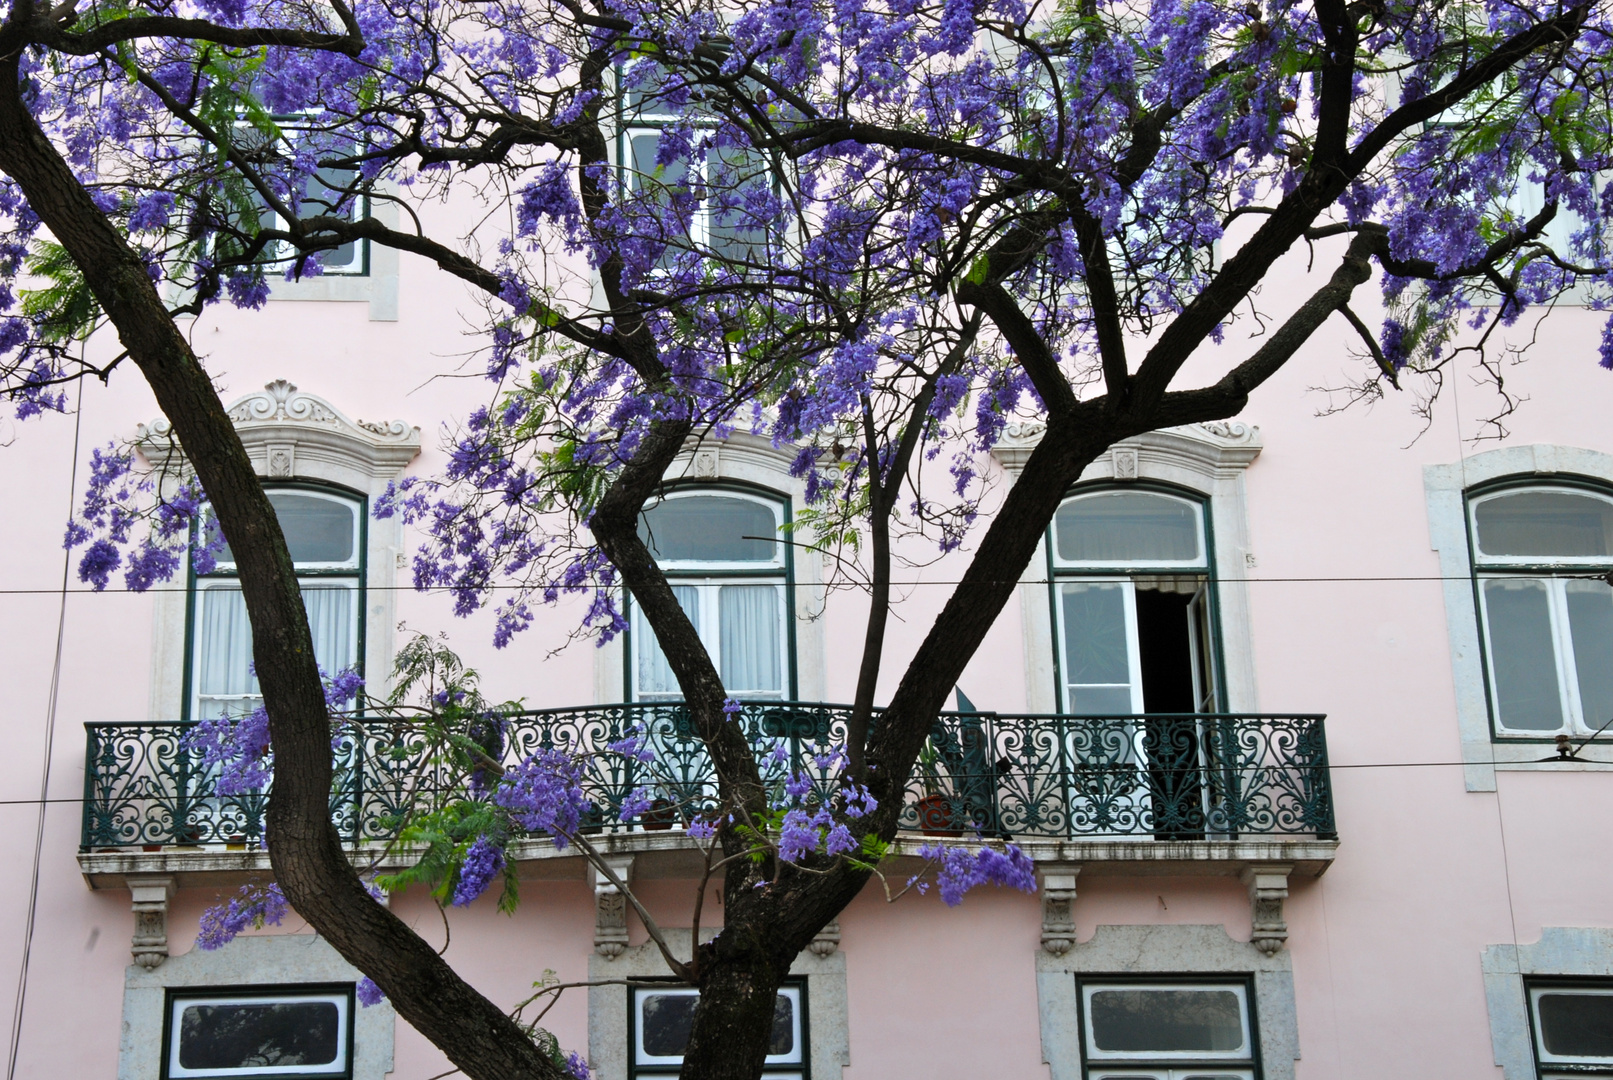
(872, 231)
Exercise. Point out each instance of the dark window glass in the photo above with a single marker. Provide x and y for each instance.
(668, 1020)
(1165, 1021)
(1128, 526)
(1576, 1025)
(259, 1035)
(710, 528)
(317, 530)
(1545, 524)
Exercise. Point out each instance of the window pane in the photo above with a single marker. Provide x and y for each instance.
(1545, 524)
(751, 629)
(1576, 1025)
(324, 194)
(1590, 621)
(740, 188)
(330, 620)
(667, 1021)
(654, 673)
(224, 642)
(1522, 657)
(783, 1040)
(710, 528)
(259, 1035)
(1128, 526)
(318, 530)
(1097, 648)
(1166, 1021)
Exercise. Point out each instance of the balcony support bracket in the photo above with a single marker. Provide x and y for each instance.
(149, 895)
(610, 908)
(1268, 888)
(1058, 905)
(825, 941)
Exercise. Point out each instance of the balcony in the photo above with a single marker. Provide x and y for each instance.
(1196, 793)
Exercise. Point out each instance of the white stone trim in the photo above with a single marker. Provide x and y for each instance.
(378, 288)
(828, 1041)
(1166, 951)
(1209, 459)
(1561, 950)
(292, 435)
(269, 960)
(748, 459)
(1444, 486)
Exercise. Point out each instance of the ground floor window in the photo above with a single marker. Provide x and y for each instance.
(661, 1018)
(1572, 1022)
(1167, 1030)
(282, 1032)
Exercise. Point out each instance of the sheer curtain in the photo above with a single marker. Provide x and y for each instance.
(224, 679)
(750, 640)
(655, 678)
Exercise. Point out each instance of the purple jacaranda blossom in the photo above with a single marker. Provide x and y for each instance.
(254, 906)
(483, 863)
(368, 993)
(544, 794)
(962, 869)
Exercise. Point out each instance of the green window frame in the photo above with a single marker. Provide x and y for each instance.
(720, 595)
(338, 582)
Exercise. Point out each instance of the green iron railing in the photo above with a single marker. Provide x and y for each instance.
(1159, 776)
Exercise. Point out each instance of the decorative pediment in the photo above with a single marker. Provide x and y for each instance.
(293, 435)
(1198, 448)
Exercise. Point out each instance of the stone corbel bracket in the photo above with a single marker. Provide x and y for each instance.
(1058, 906)
(149, 895)
(825, 941)
(610, 908)
(1268, 888)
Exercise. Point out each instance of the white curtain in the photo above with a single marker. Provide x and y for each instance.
(224, 682)
(750, 632)
(655, 678)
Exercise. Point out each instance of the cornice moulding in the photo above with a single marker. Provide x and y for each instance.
(1211, 448)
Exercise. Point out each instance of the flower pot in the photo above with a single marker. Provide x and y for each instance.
(661, 816)
(935, 816)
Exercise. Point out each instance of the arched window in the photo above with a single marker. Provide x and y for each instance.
(324, 531)
(1540, 556)
(1132, 604)
(723, 553)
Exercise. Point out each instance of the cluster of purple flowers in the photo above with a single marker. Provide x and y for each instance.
(254, 906)
(962, 869)
(544, 794)
(482, 865)
(238, 746)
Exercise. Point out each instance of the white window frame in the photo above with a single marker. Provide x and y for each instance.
(1243, 1056)
(279, 252)
(1521, 568)
(1548, 1062)
(709, 577)
(790, 1066)
(177, 1002)
(1133, 653)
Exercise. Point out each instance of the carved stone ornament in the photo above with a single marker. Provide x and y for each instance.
(1268, 888)
(1214, 445)
(1125, 463)
(826, 941)
(293, 435)
(610, 908)
(149, 895)
(1058, 906)
(705, 463)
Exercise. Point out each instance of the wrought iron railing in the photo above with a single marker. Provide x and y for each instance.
(1159, 776)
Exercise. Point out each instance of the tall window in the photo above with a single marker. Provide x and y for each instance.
(728, 193)
(1540, 555)
(1167, 1030)
(1573, 1027)
(326, 192)
(1132, 604)
(662, 1019)
(722, 552)
(325, 533)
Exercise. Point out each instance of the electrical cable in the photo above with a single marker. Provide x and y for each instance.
(44, 778)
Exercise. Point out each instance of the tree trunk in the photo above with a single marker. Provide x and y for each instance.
(304, 849)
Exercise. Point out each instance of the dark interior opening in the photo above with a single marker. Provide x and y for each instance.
(1172, 744)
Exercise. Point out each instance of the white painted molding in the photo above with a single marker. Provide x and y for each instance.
(828, 1040)
(257, 960)
(1210, 459)
(292, 435)
(1561, 950)
(1268, 889)
(1165, 951)
(1444, 486)
(1057, 887)
(610, 907)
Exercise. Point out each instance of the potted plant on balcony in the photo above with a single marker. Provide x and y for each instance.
(936, 808)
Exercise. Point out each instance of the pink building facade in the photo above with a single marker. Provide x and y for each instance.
(1231, 886)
